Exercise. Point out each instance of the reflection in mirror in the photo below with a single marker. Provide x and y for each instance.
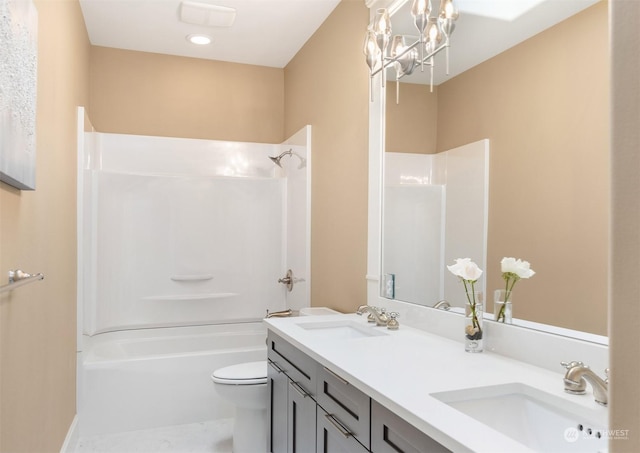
(442, 199)
(544, 106)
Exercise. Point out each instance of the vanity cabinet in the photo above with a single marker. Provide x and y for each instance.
(391, 434)
(291, 407)
(278, 385)
(333, 437)
(347, 406)
(313, 410)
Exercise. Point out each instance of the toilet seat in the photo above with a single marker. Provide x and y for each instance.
(250, 373)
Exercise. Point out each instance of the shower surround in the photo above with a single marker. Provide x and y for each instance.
(181, 243)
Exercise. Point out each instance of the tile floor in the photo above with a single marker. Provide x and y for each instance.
(206, 437)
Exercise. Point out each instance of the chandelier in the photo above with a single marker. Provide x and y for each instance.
(383, 51)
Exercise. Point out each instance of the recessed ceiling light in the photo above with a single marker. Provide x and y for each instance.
(201, 40)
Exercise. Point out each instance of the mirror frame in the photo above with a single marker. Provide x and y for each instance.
(377, 107)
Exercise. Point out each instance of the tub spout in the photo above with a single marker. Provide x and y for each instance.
(279, 314)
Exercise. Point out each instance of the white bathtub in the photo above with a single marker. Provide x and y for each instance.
(148, 378)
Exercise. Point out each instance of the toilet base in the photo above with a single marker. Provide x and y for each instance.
(250, 431)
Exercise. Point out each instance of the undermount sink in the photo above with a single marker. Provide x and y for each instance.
(342, 329)
(538, 420)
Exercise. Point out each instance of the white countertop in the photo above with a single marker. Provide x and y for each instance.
(402, 369)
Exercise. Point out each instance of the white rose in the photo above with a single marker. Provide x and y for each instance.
(465, 269)
(516, 266)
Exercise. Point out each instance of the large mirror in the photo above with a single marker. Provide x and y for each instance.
(542, 101)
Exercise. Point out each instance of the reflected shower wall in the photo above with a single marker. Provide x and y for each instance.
(183, 232)
(435, 210)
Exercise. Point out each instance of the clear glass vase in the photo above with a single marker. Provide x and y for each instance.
(473, 328)
(502, 310)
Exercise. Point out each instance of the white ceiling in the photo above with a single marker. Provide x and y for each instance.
(271, 32)
(479, 35)
(265, 32)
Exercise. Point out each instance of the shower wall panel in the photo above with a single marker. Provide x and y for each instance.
(182, 232)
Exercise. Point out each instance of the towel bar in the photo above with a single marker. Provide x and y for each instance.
(18, 278)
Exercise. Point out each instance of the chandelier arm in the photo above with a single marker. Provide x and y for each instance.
(436, 51)
(388, 61)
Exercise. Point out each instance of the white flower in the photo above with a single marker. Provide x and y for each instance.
(512, 271)
(465, 269)
(516, 266)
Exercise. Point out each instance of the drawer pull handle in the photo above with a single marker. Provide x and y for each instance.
(341, 379)
(337, 425)
(298, 389)
(275, 365)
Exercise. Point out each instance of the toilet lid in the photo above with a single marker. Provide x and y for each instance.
(242, 374)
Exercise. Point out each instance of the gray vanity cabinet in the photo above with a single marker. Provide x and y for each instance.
(345, 404)
(278, 385)
(301, 420)
(291, 407)
(333, 437)
(391, 434)
(313, 410)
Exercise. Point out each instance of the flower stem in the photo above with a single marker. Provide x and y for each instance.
(507, 294)
(472, 303)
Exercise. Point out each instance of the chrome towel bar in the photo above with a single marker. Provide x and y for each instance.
(18, 278)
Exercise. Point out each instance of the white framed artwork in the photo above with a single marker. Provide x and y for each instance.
(18, 88)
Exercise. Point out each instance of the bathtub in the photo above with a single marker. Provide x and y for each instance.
(148, 378)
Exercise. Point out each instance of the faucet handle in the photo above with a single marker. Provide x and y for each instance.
(393, 324)
(569, 365)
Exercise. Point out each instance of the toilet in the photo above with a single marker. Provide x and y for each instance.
(245, 386)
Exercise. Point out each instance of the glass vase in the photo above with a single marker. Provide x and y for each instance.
(473, 329)
(502, 310)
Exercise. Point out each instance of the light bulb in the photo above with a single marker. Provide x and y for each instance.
(371, 49)
(420, 10)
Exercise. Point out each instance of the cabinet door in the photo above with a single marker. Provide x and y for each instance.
(333, 437)
(277, 383)
(346, 403)
(301, 420)
(391, 434)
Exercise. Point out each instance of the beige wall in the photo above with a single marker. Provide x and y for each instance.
(152, 94)
(326, 86)
(545, 107)
(38, 234)
(411, 126)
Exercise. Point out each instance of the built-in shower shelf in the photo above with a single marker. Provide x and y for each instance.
(188, 297)
(191, 277)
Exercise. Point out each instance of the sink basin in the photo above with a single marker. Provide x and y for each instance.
(342, 329)
(538, 420)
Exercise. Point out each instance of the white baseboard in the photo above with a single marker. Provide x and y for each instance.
(70, 442)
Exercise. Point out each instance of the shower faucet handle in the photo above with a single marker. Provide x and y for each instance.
(288, 280)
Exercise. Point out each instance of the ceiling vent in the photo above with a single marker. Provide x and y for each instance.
(198, 13)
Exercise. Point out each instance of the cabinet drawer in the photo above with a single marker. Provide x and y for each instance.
(300, 368)
(391, 434)
(347, 404)
(333, 437)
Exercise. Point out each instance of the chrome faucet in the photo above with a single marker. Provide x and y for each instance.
(442, 305)
(380, 317)
(577, 376)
